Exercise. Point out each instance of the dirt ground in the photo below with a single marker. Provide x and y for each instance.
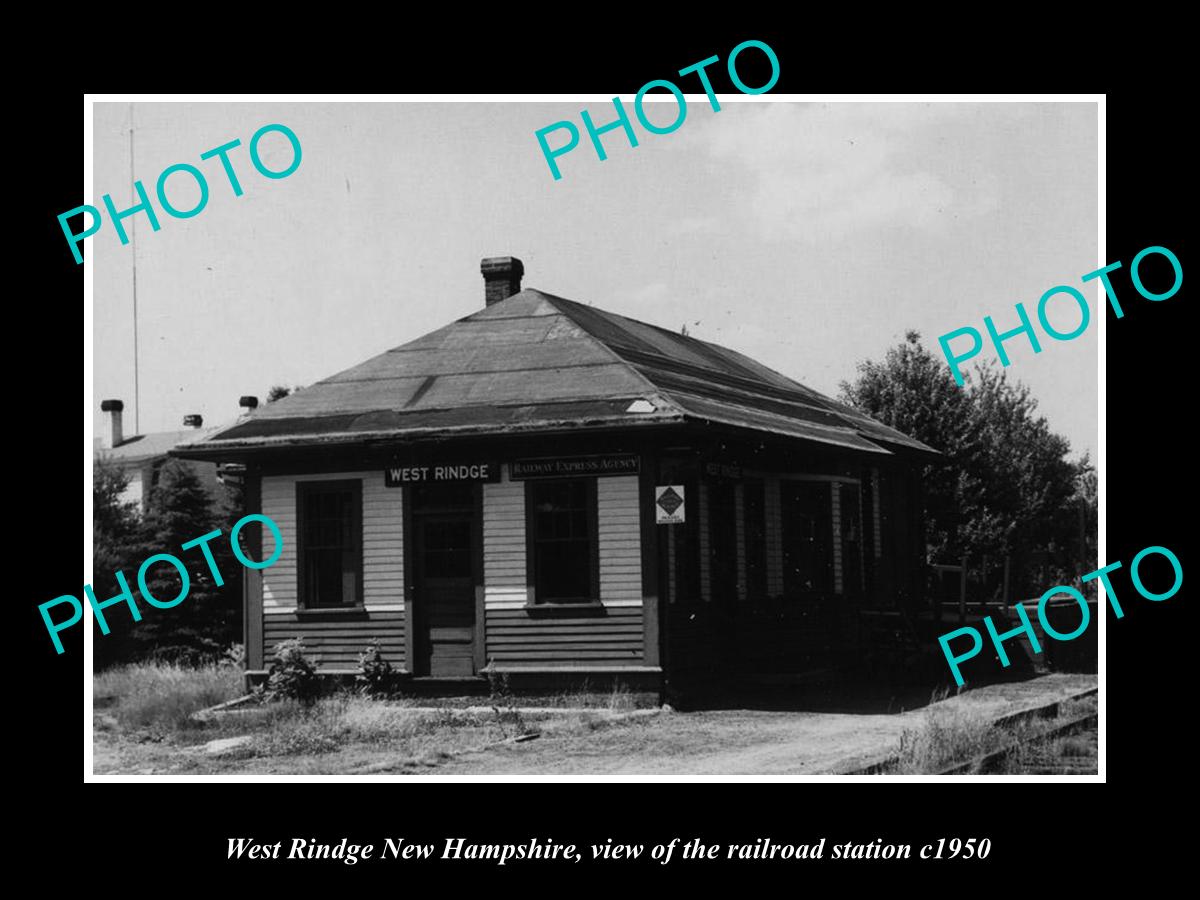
(822, 736)
(745, 742)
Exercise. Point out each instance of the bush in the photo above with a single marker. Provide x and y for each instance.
(376, 677)
(291, 675)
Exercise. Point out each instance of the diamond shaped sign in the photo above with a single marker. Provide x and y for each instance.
(669, 504)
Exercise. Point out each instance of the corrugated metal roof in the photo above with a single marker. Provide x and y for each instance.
(538, 361)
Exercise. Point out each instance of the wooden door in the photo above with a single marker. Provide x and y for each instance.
(444, 588)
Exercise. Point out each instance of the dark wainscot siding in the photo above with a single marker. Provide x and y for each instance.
(517, 638)
(337, 643)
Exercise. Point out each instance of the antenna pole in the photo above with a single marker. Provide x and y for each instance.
(137, 424)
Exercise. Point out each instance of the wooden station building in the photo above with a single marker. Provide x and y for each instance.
(545, 488)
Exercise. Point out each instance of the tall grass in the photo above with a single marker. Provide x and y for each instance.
(290, 729)
(153, 702)
(160, 696)
(948, 734)
(619, 699)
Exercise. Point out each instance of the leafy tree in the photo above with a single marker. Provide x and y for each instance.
(278, 392)
(1086, 502)
(1005, 484)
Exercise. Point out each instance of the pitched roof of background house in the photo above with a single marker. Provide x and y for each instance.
(142, 447)
(535, 361)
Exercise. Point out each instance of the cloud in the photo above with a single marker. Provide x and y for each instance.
(816, 172)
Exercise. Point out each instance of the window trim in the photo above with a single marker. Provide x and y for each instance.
(860, 592)
(593, 512)
(303, 490)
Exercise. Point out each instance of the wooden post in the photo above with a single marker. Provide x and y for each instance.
(1004, 598)
(651, 643)
(252, 584)
(480, 635)
(962, 593)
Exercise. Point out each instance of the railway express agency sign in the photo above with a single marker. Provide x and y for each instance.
(566, 466)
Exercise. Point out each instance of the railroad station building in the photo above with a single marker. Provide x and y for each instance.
(550, 490)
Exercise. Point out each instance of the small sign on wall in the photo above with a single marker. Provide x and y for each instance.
(669, 507)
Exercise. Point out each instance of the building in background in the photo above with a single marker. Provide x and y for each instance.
(142, 455)
(554, 491)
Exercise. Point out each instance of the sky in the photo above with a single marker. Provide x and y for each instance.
(810, 236)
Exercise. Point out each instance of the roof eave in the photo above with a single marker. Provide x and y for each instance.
(234, 448)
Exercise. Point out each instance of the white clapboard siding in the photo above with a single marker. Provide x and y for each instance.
(835, 492)
(504, 574)
(136, 489)
(620, 541)
(383, 541)
(774, 529)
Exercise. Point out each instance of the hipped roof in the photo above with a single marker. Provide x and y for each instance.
(536, 362)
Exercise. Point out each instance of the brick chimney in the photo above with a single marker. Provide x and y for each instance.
(501, 278)
(113, 434)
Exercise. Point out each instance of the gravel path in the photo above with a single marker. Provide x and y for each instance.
(744, 742)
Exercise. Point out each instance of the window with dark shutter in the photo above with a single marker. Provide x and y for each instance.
(563, 540)
(329, 515)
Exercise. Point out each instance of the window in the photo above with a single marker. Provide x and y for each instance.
(754, 508)
(722, 541)
(562, 540)
(442, 521)
(330, 546)
(807, 538)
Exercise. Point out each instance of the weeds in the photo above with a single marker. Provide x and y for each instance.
(952, 734)
(144, 712)
(347, 719)
(504, 704)
(947, 735)
(619, 699)
(1074, 754)
(162, 696)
